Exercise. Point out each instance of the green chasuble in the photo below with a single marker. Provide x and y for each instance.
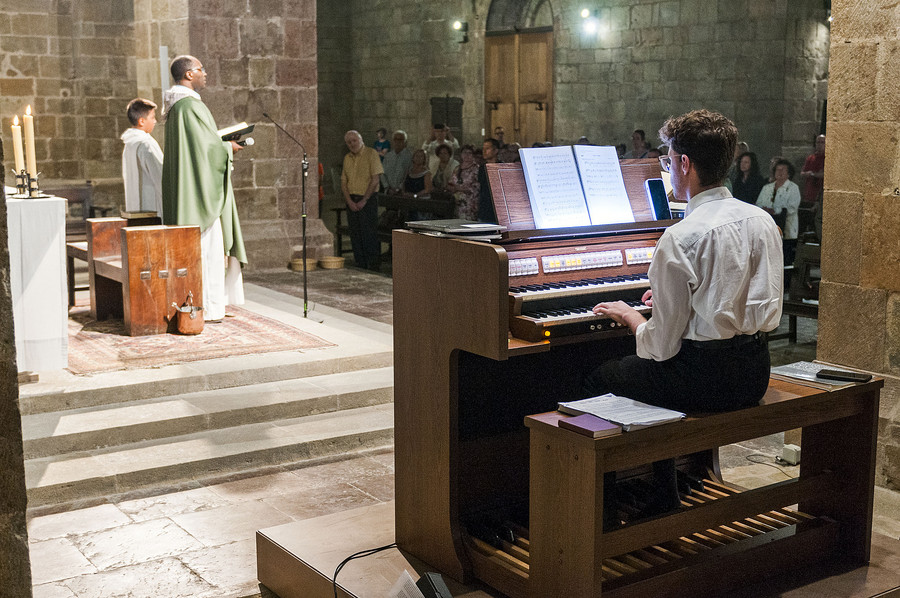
(196, 176)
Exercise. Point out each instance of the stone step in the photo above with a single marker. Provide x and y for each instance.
(109, 388)
(207, 455)
(90, 428)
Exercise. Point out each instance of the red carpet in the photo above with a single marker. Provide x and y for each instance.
(103, 346)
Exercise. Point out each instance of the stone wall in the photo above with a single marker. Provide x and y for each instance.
(79, 62)
(71, 61)
(15, 573)
(650, 60)
(859, 323)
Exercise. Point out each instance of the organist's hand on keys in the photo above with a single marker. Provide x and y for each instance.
(623, 313)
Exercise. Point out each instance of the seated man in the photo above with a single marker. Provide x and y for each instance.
(715, 286)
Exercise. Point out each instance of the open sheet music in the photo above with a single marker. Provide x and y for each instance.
(575, 186)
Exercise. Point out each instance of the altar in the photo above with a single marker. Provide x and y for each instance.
(37, 271)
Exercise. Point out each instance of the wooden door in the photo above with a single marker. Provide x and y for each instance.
(518, 86)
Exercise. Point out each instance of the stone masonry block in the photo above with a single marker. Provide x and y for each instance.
(301, 73)
(300, 39)
(853, 68)
(887, 91)
(881, 251)
(262, 72)
(234, 73)
(23, 86)
(266, 9)
(846, 333)
(842, 232)
(24, 44)
(261, 38)
(892, 358)
(864, 19)
(859, 149)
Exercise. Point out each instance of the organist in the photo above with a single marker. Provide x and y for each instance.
(715, 287)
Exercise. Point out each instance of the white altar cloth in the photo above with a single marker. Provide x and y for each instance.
(37, 260)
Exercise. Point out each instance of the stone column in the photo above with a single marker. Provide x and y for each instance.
(859, 314)
(15, 570)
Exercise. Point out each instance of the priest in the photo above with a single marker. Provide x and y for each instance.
(197, 186)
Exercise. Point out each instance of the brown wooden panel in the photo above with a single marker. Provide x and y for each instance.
(535, 66)
(103, 241)
(533, 123)
(499, 69)
(184, 266)
(144, 291)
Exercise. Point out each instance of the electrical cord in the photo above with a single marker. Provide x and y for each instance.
(357, 555)
(777, 459)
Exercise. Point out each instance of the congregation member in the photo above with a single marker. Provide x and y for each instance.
(443, 173)
(499, 135)
(360, 178)
(197, 187)
(465, 185)
(381, 145)
(747, 181)
(440, 134)
(418, 178)
(781, 198)
(813, 173)
(396, 162)
(715, 289)
(638, 145)
(142, 159)
(490, 154)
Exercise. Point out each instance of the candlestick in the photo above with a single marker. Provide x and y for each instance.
(17, 145)
(30, 160)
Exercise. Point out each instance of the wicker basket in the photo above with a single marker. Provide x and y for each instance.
(297, 264)
(331, 262)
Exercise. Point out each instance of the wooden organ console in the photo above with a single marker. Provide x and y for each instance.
(486, 335)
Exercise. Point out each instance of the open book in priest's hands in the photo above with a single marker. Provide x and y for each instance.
(579, 185)
(628, 413)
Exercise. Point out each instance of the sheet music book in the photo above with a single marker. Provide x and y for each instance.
(628, 413)
(456, 225)
(804, 373)
(576, 186)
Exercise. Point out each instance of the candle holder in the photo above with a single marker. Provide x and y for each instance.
(33, 189)
(21, 182)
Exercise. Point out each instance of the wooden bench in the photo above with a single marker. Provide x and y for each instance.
(137, 272)
(440, 206)
(722, 537)
(804, 286)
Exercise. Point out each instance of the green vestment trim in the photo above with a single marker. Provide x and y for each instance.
(196, 176)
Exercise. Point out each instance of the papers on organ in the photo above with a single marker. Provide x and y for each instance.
(578, 185)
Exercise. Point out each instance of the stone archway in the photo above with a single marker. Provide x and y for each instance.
(516, 15)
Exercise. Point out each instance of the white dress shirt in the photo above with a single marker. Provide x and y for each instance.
(716, 274)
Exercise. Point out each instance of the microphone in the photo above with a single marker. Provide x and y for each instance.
(246, 142)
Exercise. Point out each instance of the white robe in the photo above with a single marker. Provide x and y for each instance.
(222, 285)
(142, 162)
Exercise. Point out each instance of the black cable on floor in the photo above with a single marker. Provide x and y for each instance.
(357, 555)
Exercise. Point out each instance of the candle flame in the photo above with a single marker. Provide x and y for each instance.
(28, 110)
(16, 120)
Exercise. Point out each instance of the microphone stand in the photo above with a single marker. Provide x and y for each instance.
(305, 167)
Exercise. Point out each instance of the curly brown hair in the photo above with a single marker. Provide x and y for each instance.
(708, 138)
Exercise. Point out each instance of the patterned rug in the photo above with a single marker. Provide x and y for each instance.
(103, 346)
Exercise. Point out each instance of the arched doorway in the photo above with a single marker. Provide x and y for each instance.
(518, 70)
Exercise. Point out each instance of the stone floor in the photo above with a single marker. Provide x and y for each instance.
(199, 541)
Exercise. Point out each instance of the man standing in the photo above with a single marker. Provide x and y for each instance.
(813, 173)
(396, 163)
(197, 186)
(715, 285)
(142, 160)
(499, 134)
(359, 181)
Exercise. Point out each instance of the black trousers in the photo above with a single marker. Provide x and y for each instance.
(364, 234)
(701, 377)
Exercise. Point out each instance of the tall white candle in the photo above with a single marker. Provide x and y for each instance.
(17, 145)
(30, 160)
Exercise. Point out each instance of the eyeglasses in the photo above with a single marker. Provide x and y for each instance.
(201, 69)
(665, 162)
